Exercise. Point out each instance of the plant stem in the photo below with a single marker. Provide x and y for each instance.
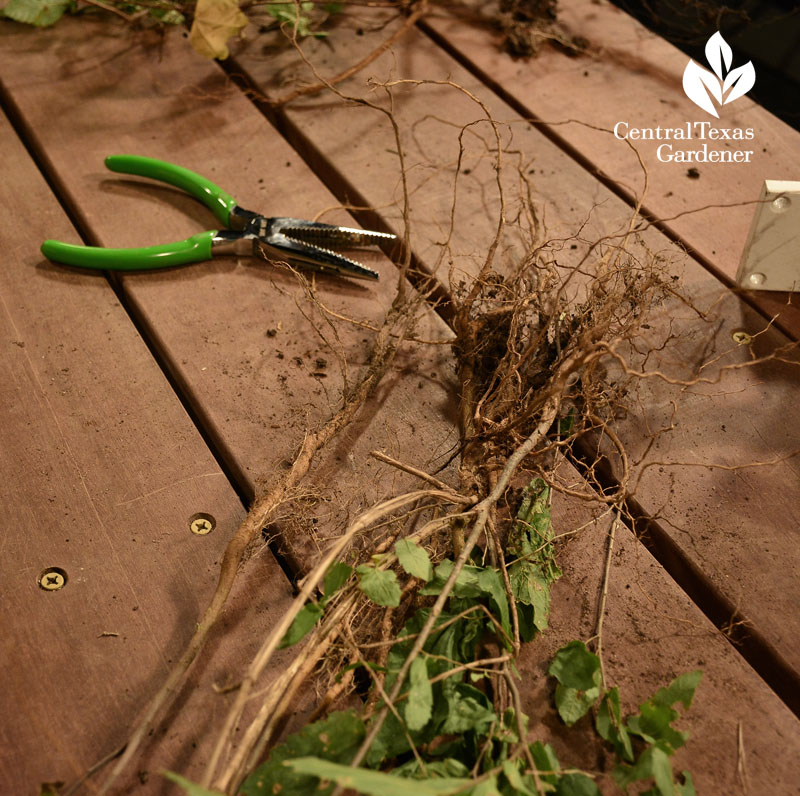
(481, 512)
(383, 352)
(604, 595)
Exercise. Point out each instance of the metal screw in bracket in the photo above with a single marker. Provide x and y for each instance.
(780, 204)
(740, 337)
(52, 579)
(201, 524)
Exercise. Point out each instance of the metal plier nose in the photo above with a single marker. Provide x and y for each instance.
(308, 243)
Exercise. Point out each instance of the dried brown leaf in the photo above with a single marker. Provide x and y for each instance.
(215, 23)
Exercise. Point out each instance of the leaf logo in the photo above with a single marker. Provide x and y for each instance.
(702, 87)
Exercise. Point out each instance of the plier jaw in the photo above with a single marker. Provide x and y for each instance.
(311, 243)
(294, 239)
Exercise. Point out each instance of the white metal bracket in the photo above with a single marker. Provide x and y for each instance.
(771, 256)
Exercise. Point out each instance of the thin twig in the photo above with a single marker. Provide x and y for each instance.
(385, 45)
(741, 763)
(604, 595)
(518, 713)
(470, 501)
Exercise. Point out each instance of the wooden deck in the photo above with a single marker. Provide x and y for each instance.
(131, 404)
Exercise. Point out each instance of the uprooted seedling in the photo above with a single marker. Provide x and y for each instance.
(456, 724)
(420, 621)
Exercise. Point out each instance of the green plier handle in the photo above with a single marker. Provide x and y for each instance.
(195, 249)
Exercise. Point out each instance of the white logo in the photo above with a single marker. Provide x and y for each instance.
(701, 85)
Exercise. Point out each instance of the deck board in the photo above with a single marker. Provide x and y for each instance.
(652, 632)
(101, 470)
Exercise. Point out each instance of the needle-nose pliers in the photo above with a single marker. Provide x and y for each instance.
(247, 233)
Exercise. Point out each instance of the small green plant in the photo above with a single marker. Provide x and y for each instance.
(43, 13)
(298, 16)
(644, 742)
(444, 732)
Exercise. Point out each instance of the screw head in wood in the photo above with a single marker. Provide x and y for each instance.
(52, 579)
(201, 524)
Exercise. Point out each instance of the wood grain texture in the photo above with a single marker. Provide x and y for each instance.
(101, 470)
(628, 74)
(738, 420)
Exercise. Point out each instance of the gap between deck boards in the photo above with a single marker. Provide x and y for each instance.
(725, 616)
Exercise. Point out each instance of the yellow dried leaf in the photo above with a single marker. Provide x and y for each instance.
(215, 22)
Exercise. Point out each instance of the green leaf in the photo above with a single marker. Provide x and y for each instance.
(380, 586)
(575, 667)
(531, 587)
(335, 578)
(449, 767)
(288, 13)
(681, 689)
(390, 742)
(486, 788)
(466, 584)
(566, 424)
(467, 710)
(608, 723)
(169, 16)
(376, 783)
(654, 722)
(301, 626)
(414, 559)
(526, 617)
(574, 704)
(473, 582)
(532, 529)
(577, 785)
(336, 738)
(545, 759)
(686, 788)
(653, 764)
(490, 582)
(662, 772)
(420, 695)
(512, 774)
(190, 788)
(41, 13)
